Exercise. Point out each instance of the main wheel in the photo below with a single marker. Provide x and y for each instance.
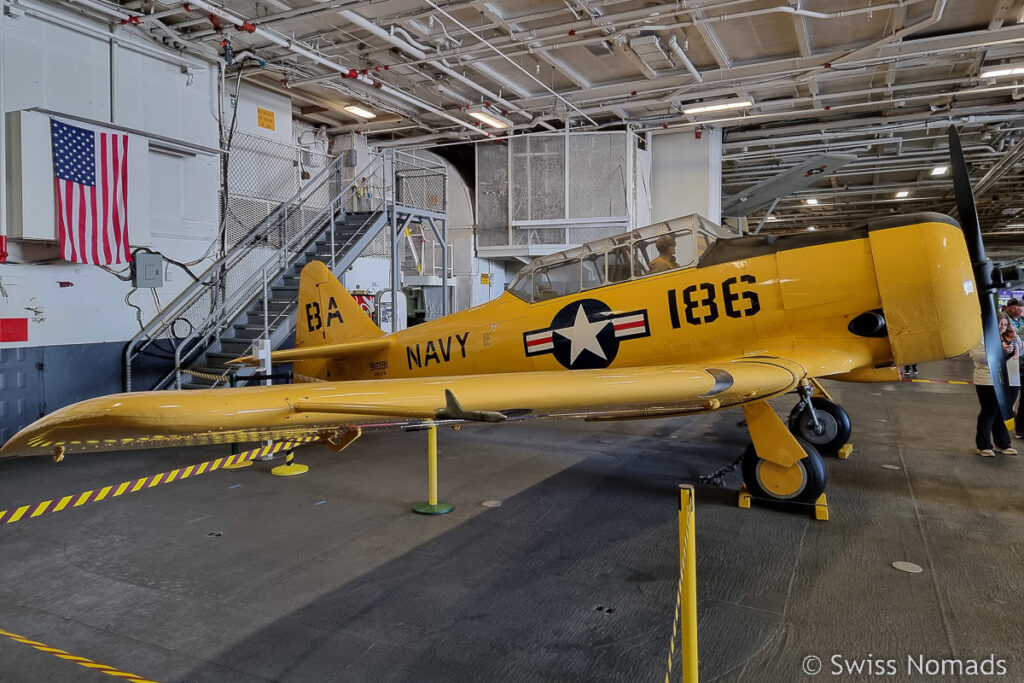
(803, 482)
(833, 426)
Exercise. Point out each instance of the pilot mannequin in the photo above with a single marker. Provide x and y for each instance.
(666, 246)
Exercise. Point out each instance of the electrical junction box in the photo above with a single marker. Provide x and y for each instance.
(149, 270)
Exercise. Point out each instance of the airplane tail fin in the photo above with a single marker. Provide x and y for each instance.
(328, 316)
(327, 313)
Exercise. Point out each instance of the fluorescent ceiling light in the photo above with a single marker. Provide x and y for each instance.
(902, 193)
(811, 227)
(1001, 70)
(940, 170)
(772, 219)
(360, 112)
(721, 105)
(488, 116)
(812, 201)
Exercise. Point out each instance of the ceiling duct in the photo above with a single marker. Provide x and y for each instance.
(648, 49)
(601, 49)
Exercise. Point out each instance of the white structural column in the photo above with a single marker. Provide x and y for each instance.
(686, 175)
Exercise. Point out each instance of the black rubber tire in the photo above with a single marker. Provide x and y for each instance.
(834, 419)
(814, 470)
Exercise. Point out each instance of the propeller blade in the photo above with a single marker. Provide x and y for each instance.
(983, 273)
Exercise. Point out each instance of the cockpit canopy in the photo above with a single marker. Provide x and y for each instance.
(628, 256)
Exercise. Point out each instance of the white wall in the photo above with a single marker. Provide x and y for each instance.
(640, 212)
(686, 175)
(250, 100)
(63, 62)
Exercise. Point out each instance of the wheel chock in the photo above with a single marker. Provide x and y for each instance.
(289, 468)
(845, 451)
(821, 508)
(746, 500)
(745, 497)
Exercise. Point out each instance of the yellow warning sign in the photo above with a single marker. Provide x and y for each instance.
(485, 278)
(265, 118)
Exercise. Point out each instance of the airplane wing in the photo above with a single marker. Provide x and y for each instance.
(328, 351)
(178, 418)
(784, 184)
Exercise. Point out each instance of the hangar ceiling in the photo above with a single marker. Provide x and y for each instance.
(877, 79)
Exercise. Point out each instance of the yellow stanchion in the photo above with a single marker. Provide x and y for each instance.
(684, 617)
(432, 506)
(688, 601)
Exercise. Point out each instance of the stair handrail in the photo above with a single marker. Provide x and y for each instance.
(213, 281)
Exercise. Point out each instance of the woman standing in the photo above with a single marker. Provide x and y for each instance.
(990, 420)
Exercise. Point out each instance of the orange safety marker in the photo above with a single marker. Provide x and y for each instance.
(80, 661)
(134, 486)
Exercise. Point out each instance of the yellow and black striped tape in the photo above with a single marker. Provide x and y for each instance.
(133, 486)
(934, 381)
(80, 661)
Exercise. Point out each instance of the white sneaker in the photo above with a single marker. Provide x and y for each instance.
(1006, 451)
(986, 453)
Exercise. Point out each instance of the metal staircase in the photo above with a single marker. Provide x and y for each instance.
(252, 291)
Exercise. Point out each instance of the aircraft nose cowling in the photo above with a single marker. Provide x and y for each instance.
(926, 283)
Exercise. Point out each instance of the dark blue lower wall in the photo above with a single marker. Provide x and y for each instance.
(37, 380)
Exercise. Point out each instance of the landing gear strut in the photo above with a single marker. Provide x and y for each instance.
(820, 421)
(778, 465)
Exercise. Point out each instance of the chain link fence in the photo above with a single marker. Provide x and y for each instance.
(263, 173)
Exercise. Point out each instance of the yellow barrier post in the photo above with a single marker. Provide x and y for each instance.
(688, 602)
(432, 506)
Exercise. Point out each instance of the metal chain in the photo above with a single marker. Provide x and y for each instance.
(676, 618)
(716, 477)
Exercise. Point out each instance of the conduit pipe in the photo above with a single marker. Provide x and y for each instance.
(304, 51)
(567, 103)
(103, 8)
(417, 53)
(809, 112)
(678, 51)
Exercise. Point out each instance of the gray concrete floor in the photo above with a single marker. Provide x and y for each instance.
(241, 576)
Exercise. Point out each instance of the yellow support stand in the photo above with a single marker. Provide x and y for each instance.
(432, 506)
(289, 468)
(746, 500)
(688, 597)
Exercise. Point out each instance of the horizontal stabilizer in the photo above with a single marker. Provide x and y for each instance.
(783, 184)
(327, 352)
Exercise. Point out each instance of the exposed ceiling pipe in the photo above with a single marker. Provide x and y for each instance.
(408, 38)
(936, 16)
(104, 8)
(267, 20)
(741, 120)
(567, 103)
(306, 52)
(678, 51)
(1001, 168)
(419, 139)
(862, 125)
(413, 51)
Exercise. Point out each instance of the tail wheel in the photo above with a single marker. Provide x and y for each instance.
(833, 426)
(802, 482)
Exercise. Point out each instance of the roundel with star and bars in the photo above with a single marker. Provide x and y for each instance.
(585, 335)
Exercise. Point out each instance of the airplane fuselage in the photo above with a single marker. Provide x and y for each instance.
(751, 296)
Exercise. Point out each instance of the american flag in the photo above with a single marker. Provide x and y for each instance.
(90, 169)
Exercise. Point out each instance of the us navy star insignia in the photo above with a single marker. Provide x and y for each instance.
(585, 334)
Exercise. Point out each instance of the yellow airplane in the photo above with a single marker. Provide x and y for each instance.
(670, 319)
